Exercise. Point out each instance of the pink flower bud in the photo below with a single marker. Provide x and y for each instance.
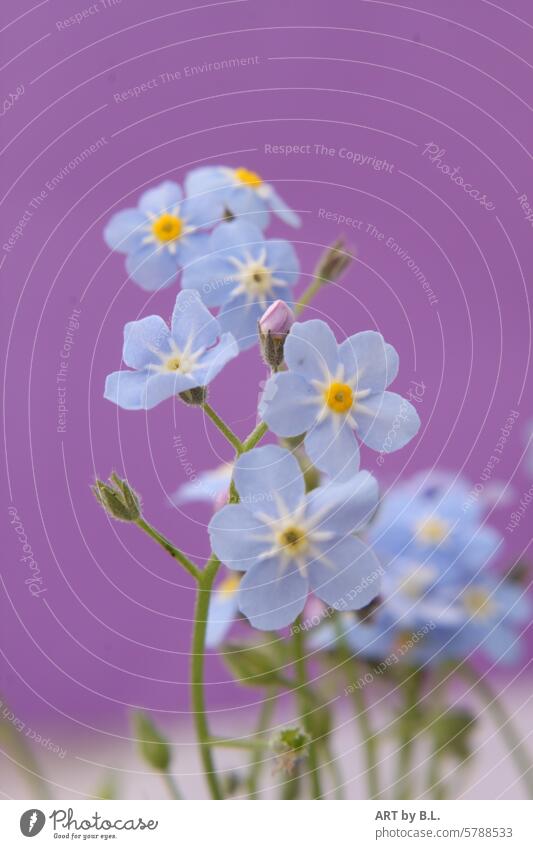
(278, 319)
(221, 500)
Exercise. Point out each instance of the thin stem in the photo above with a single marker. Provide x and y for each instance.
(411, 688)
(305, 707)
(232, 438)
(255, 437)
(172, 787)
(197, 674)
(169, 548)
(265, 717)
(333, 766)
(503, 721)
(307, 296)
(370, 743)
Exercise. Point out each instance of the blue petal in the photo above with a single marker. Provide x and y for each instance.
(311, 350)
(143, 390)
(152, 269)
(282, 210)
(265, 475)
(210, 276)
(289, 404)
(393, 363)
(283, 260)
(162, 198)
(343, 508)
(239, 317)
(333, 448)
(124, 231)
(143, 340)
(271, 598)
(364, 356)
(192, 321)
(237, 537)
(214, 360)
(386, 421)
(246, 205)
(190, 247)
(127, 389)
(350, 576)
(236, 237)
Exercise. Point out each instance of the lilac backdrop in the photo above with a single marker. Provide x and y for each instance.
(379, 79)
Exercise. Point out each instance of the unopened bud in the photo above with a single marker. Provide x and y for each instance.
(278, 319)
(334, 262)
(274, 326)
(196, 396)
(118, 499)
(152, 745)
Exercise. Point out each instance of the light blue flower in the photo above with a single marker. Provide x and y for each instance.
(159, 237)
(287, 542)
(168, 362)
(223, 610)
(207, 486)
(334, 392)
(435, 514)
(243, 273)
(238, 192)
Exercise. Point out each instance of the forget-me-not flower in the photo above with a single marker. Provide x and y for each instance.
(335, 393)
(434, 515)
(237, 192)
(159, 237)
(243, 273)
(169, 361)
(287, 542)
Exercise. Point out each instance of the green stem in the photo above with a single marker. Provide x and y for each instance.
(170, 548)
(263, 723)
(248, 745)
(232, 438)
(503, 722)
(333, 766)
(205, 585)
(302, 684)
(307, 296)
(172, 787)
(255, 437)
(370, 743)
(407, 722)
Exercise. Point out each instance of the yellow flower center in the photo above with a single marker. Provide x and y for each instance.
(477, 602)
(432, 531)
(293, 539)
(229, 585)
(167, 227)
(339, 397)
(173, 364)
(249, 178)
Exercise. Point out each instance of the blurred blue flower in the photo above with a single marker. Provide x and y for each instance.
(434, 514)
(332, 392)
(223, 610)
(208, 486)
(426, 618)
(243, 273)
(224, 192)
(287, 542)
(168, 362)
(159, 237)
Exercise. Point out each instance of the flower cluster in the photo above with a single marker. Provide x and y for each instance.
(440, 599)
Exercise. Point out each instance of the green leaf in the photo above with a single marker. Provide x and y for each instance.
(257, 665)
(152, 745)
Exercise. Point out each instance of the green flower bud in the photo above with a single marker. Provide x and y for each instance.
(334, 262)
(152, 745)
(118, 499)
(195, 396)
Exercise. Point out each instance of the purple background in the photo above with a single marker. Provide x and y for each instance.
(112, 629)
